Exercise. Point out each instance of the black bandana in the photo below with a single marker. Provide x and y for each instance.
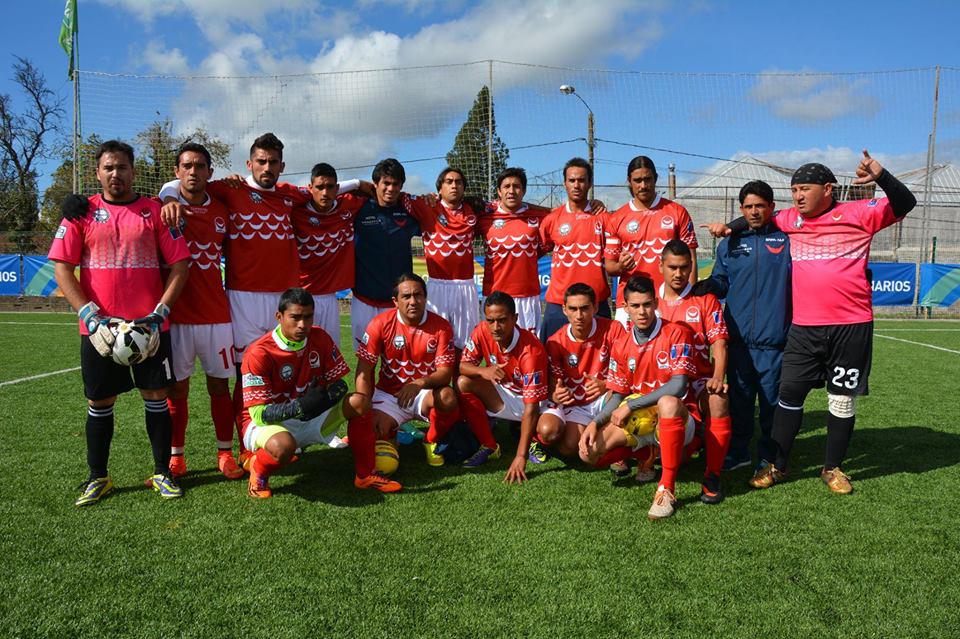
(813, 173)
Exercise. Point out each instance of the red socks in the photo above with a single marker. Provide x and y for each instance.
(265, 464)
(178, 416)
(440, 424)
(719, 432)
(613, 456)
(475, 414)
(221, 409)
(671, 450)
(362, 444)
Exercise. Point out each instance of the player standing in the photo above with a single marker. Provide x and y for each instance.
(118, 240)
(293, 392)
(831, 339)
(642, 227)
(200, 323)
(511, 385)
(417, 360)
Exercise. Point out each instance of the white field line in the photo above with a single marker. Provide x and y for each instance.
(920, 330)
(907, 341)
(40, 376)
(74, 324)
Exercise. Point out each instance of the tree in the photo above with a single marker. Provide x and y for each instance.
(472, 148)
(26, 139)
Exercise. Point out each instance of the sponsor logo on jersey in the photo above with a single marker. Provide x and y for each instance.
(798, 223)
(335, 354)
(837, 217)
(604, 353)
(663, 361)
(633, 226)
(101, 215)
(564, 229)
(145, 214)
(531, 379)
(469, 345)
(471, 220)
(776, 250)
(399, 342)
(666, 222)
(61, 231)
(365, 339)
(716, 316)
(679, 350)
(346, 215)
(286, 372)
(572, 359)
(432, 345)
(288, 202)
(533, 222)
(499, 224)
(693, 314)
(613, 366)
(443, 219)
(315, 221)
(314, 359)
(255, 197)
(632, 364)
(249, 380)
(175, 233)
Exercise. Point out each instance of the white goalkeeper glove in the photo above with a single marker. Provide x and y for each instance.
(154, 321)
(100, 336)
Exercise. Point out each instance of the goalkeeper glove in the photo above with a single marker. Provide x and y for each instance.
(154, 321)
(318, 399)
(74, 207)
(100, 336)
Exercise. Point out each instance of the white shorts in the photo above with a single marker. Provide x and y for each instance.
(322, 429)
(360, 315)
(582, 415)
(457, 302)
(622, 317)
(387, 404)
(513, 405)
(326, 315)
(212, 343)
(253, 314)
(529, 313)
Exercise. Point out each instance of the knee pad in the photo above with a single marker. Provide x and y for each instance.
(842, 406)
(794, 394)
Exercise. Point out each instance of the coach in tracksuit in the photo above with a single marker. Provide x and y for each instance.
(752, 270)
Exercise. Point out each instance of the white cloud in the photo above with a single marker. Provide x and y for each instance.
(812, 98)
(843, 159)
(164, 61)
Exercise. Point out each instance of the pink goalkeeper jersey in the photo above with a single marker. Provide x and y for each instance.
(119, 249)
(830, 254)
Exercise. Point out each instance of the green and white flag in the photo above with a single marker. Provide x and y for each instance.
(67, 30)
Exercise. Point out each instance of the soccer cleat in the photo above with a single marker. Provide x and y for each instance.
(710, 490)
(433, 458)
(228, 465)
(94, 490)
(178, 465)
(645, 474)
(246, 460)
(258, 485)
(377, 481)
(537, 454)
(663, 505)
(619, 469)
(766, 476)
(482, 456)
(735, 463)
(166, 485)
(837, 481)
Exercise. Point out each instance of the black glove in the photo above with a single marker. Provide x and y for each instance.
(702, 287)
(318, 399)
(74, 207)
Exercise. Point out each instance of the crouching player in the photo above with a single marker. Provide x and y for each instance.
(578, 355)
(415, 348)
(511, 385)
(293, 392)
(653, 361)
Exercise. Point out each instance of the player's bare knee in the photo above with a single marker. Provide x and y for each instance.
(719, 406)
(463, 384)
(106, 402)
(842, 406)
(548, 430)
(445, 399)
(356, 405)
(281, 447)
(669, 406)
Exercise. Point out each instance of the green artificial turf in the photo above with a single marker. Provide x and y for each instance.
(459, 553)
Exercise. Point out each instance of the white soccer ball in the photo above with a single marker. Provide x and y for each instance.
(131, 343)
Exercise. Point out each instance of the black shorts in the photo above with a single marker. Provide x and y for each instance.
(838, 355)
(103, 377)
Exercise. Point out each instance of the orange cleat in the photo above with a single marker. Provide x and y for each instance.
(178, 465)
(258, 486)
(378, 481)
(228, 465)
(246, 460)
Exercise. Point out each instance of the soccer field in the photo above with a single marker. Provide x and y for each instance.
(460, 554)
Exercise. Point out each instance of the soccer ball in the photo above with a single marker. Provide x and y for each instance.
(642, 421)
(387, 459)
(131, 343)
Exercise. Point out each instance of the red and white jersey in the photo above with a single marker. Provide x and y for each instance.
(325, 245)
(577, 241)
(524, 360)
(572, 361)
(272, 372)
(642, 368)
(512, 247)
(643, 234)
(447, 237)
(703, 315)
(830, 254)
(406, 352)
(203, 300)
(261, 251)
(119, 249)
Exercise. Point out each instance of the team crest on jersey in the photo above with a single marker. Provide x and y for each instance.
(256, 197)
(288, 202)
(432, 345)
(693, 314)
(666, 222)
(798, 223)
(443, 219)
(632, 364)
(564, 229)
(662, 360)
(572, 359)
(250, 380)
(872, 203)
(286, 372)
(314, 221)
(633, 226)
(399, 342)
(101, 215)
(61, 231)
(498, 224)
(493, 360)
(314, 359)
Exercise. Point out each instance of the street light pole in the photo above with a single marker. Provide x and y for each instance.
(568, 89)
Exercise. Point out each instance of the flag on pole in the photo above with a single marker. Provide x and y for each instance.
(68, 29)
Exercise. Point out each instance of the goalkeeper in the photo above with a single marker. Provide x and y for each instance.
(118, 241)
(293, 391)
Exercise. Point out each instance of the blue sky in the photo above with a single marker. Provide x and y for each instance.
(782, 119)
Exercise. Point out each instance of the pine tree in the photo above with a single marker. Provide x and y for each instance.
(473, 145)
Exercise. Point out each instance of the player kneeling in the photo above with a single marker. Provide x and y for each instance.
(511, 385)
(293, 391)
(578, 354)
(653, 358)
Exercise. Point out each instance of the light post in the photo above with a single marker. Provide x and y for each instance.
(567, 89)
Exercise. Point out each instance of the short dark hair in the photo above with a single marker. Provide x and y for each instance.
(675, 247)
(579, 288)
(389, 167)
(267, 142)
(450, 169)
(759, 188)
(408, 277)
(513, 171)
(641, 162)
(194, 147)
(499, 298)
(580, 163)
(114, 146)
(294, 296)
(322, 170)
(639, 284)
